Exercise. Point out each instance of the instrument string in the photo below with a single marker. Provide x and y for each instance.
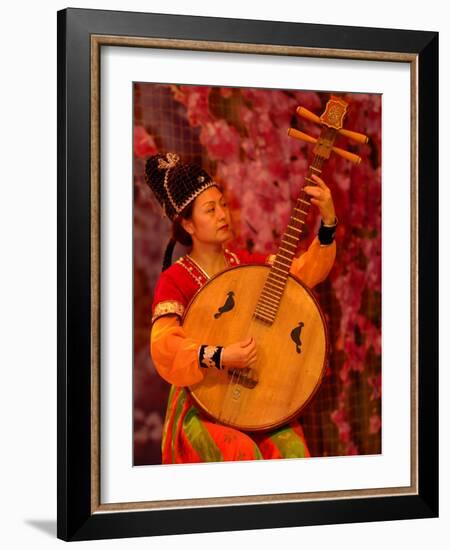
(233, 384)
(279, 274)
(235, 380)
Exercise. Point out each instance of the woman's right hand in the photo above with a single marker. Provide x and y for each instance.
(239, 355)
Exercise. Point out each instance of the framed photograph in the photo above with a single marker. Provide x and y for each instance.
(267, 116)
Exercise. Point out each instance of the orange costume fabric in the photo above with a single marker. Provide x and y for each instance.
(188, 435)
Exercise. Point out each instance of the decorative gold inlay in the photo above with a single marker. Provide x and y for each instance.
(167, 307)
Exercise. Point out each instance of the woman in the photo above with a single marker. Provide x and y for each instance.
(201, 219)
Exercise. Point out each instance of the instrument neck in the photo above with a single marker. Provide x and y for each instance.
(276, 281)
(269, 301)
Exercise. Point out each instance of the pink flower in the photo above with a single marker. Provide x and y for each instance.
(352, 449)
(374, 424)
(344, 432)
(221, 140)
(344, 373)
(339, 418)
(278, 169)
(226, 92)
(375, 383)
(309, 100)
(196, 100)
(143, 143)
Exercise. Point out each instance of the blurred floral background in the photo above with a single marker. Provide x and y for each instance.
(239, 135)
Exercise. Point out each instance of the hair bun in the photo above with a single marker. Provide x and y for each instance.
(154, 177)
(175, 184)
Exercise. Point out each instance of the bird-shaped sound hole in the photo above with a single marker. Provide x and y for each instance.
(295, 335)
(227, 306)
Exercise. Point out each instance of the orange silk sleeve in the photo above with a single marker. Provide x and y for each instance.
(315, 264)
(174, 355)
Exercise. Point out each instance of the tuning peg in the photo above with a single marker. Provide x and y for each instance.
(356, 136)
(297, 134)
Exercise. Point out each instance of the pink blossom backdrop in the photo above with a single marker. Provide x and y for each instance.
(239, 135)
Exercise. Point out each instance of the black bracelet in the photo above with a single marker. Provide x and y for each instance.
(210, 357)
(327, 233)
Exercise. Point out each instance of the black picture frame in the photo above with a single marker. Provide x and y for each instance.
(79, 514)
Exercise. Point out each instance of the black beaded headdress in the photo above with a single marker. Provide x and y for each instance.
(175, 184)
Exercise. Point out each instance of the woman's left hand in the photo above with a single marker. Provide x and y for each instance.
(321, 197)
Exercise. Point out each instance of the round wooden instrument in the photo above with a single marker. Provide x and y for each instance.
(270, 304)
(291, 352)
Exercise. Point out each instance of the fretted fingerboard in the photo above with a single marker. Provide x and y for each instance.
(269, 300)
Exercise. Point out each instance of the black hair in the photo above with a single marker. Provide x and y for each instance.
(179, 234)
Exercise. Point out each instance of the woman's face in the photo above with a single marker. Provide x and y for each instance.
(210, 222)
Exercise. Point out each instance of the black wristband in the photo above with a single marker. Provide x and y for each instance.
(210, 357)
(327, 233)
